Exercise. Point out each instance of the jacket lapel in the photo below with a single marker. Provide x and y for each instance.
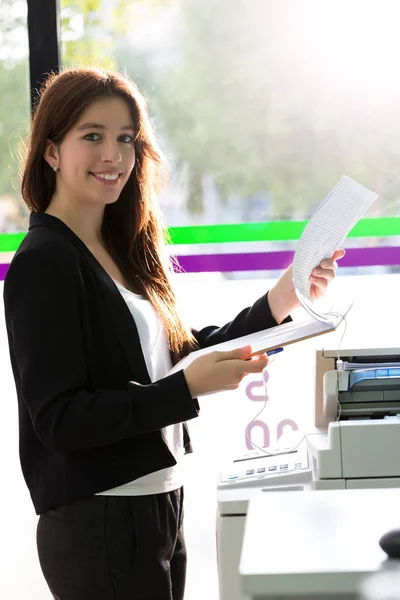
(119, 312)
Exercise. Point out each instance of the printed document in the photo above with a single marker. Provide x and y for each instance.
(332, 221)
(324, 233)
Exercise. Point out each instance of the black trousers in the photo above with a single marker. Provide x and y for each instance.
(115, 548)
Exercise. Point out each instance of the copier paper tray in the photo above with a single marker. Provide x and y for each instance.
(371, 392)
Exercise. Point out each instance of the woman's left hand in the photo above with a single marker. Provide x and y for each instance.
(322, 276)
(282, 297)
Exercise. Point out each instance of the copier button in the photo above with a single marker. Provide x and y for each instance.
(261, 470)
(283, 467)
(272, 468)
(250, 472)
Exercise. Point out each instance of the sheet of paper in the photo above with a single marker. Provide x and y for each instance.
(324, 233)
(268, 339)
(326, 230)
(350, 366)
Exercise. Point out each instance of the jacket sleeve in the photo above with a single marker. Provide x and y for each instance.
(42, 306)
(255, 318)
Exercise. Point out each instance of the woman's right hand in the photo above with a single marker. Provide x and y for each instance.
(219, 371)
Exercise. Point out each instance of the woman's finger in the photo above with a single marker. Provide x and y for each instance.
(253, 366)
(238, 353)
(320, 282)
(338, 254)
(321, 273)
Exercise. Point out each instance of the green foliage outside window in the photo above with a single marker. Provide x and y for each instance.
(229, 97)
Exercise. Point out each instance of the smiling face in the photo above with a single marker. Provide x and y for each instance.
(97, 155)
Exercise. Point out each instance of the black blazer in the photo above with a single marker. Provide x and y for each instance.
(89, 417)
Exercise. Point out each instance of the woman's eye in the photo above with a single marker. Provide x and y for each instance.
(92, 137)
(95, 137)
(127, 139)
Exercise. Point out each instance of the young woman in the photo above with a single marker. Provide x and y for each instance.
(93, 331)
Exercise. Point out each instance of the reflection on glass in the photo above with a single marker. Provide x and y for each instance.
(262, 105)
(14, 110)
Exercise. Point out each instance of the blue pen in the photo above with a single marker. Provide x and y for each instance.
(274, 351)
(269, 353)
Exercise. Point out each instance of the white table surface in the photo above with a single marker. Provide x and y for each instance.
(315, 542)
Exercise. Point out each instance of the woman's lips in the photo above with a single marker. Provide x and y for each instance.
(108, 182)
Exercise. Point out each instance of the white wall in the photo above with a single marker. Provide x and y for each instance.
(217, 434)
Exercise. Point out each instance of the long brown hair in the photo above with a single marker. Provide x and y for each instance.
(132, 228)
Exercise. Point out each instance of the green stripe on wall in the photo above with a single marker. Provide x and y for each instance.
(9, 242)
(273, 231)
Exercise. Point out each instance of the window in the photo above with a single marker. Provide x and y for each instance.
(261, 106)
(14, 111)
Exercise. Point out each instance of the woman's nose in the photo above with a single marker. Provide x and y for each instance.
(111, 153)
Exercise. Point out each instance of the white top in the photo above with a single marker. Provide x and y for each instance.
(153, 338)
(304, 543)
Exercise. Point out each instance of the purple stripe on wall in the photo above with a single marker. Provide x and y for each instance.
(367, 257)
(273, 261)
(264, 261)
(225, 263)
(3, 271)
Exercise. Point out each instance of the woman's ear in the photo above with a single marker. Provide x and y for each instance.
(51, 154)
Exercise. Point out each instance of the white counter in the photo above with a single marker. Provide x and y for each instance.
(315, 544)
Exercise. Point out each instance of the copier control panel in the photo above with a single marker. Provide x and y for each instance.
(251, 468)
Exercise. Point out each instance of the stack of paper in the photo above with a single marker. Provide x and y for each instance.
(324, 233)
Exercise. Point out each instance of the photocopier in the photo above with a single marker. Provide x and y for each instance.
(355, 443)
